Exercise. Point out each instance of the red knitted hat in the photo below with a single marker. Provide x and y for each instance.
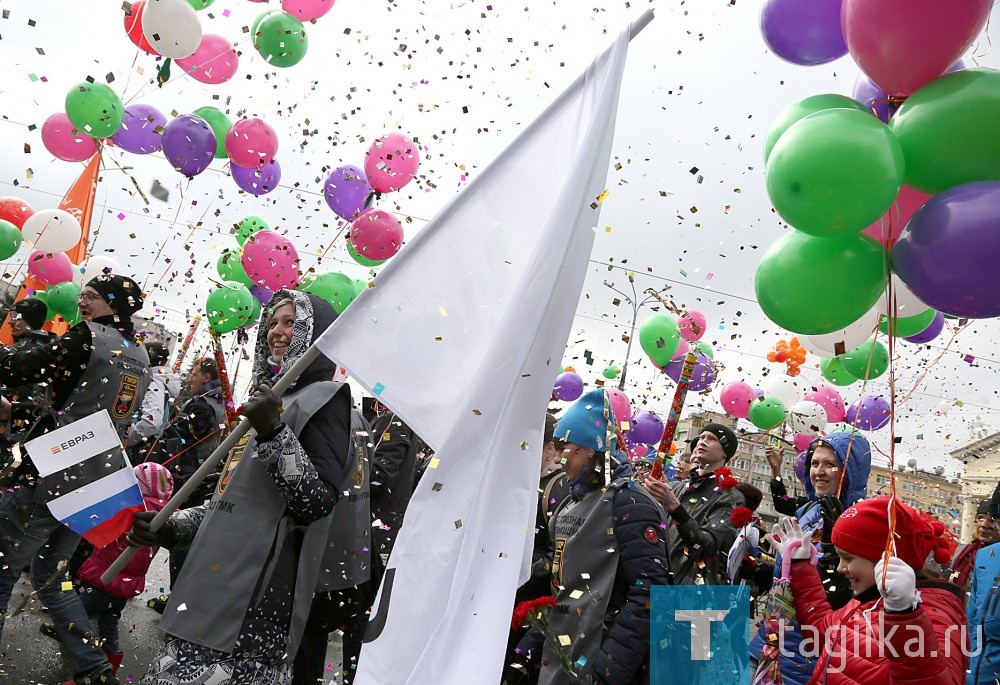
(863, 528)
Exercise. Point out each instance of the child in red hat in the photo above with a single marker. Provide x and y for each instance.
(900, 627)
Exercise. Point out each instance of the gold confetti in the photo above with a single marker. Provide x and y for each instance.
(442, 311)
(603, 196)
(524, 446)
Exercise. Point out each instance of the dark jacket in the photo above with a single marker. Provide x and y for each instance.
(783, 504)
(393, 473)
(702, 534)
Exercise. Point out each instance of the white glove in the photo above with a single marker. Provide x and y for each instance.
(899, 591)
(787, 538)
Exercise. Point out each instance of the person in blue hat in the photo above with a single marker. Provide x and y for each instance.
(609, 549)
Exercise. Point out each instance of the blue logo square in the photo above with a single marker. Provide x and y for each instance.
(699, 634)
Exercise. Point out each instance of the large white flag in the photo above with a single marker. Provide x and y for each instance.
(462, 336)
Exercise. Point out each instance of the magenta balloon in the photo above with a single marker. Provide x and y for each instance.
(307, 10)
(830, 400)
(805, 33)
(65, 141)
(376, 234)
(260, 181)
(568, 387)
(391, 162)
(270, 260)
(189, 144)
(904, 44)
(735, 399)
(932, 331)
(251, 143)
(347, 192)
(647, 428)
(215, 61)
(621, 406)
(692, 326)
(51, 268)
(949, 245)
(869, 413)
(142, 129)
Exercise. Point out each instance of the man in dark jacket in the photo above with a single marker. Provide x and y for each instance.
(393, 472)
(95, 366)
(27, 317)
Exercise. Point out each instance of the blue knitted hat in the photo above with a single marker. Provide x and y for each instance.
(586, 422)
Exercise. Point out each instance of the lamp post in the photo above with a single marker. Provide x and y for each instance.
(636, 305)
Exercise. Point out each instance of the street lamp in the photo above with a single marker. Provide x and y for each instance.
(636, 306)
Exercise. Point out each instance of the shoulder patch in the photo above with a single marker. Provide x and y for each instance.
(652, 535)
(127, 394)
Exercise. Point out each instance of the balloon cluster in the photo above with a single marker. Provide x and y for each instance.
(390, 163)
(667, 339)
(790, 353)
(902, 175)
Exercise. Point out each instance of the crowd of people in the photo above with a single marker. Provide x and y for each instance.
(324, 488)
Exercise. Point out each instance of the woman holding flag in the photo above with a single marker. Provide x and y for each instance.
(257, 547)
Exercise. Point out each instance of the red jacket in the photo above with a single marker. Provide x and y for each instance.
(132, 580)
(854, 651)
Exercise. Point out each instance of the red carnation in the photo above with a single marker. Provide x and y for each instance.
(728, 483)
(723, 472)
(741, 516)
(528, 607)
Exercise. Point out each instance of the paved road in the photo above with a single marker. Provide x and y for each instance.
(30, 658)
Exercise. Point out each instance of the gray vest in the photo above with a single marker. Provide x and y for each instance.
(237, 545)
(347, 560)
(584, 569)
(115, 379)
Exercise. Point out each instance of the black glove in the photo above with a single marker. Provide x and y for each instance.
(142, 536)
(263, 410)
(832, 509)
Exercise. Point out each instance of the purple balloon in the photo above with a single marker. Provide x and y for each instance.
(932, 331)
(804, 33)
(702, 377)
(568, 387)
(758, 392)
(142, 129)
(347, 192)
(262, 294)
(874, 98)
(949, 245)
(647, 428)
(259, 181)
(189, 144)
(869, 413)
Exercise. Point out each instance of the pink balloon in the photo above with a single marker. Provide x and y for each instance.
(51, 268)
(251, 143)
(391, 162)
(270, 260)
(64, 141)
(802, 441)
(621, 406)
(307, 10)
(904, 44)
(215, 60)
(736, 398)
(692, 326)
(682, 350)
(376, 234)
(828, 398)
(887, 229)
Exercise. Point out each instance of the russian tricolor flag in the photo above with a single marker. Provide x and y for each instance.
(91, 488)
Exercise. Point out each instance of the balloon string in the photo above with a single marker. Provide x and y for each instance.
(890, 543)
(934, 362)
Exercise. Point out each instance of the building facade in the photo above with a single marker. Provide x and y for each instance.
(924, 491)
(981, 459)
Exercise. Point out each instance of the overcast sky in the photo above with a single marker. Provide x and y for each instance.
(687, 205)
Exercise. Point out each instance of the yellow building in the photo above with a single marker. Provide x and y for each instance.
(924, 491)
(982, 472)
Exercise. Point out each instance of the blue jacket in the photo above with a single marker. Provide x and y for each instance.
(984, 619)
(797, 669)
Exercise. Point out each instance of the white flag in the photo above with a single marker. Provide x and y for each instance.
(462, 336)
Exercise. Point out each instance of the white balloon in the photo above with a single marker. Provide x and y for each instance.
(100, 264)
(51, 230)
(783, 387)
(907, 304)
(944, 407)
(172, 27)
(853, 335)
(78, 275)
(807, 417)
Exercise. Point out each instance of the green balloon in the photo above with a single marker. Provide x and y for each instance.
(361, 285)
(835, 172)
(280, 38)
(200, 4)
(660, 338)
(334, 287)
(950, 130)
(856, 361)
(363, 261)
(95, 109)
(833, 370)
(256, 312)
(611, 372)
(905, 326)
(803, 108)
(61, 299)
(229, 306)
(767, 412)
(230, 267)
(220, 125)
(704, 348)
(813, 285)
(248, 226)
(10, 239)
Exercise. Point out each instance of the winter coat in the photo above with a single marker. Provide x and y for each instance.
(984, 618)
(702, 534)
(393, 472)
(164, 386)
(796, 668)
(871, 646)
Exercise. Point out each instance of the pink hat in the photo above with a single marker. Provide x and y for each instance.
(154, 480)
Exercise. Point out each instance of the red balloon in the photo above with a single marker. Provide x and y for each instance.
(133, 27)
(887, 229)
(15, 210)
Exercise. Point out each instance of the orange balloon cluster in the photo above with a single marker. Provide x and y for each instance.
(790, 353)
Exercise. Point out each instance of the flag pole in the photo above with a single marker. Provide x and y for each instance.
(211, 462)
(675, 413)
(182, 352)
(227, 388)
